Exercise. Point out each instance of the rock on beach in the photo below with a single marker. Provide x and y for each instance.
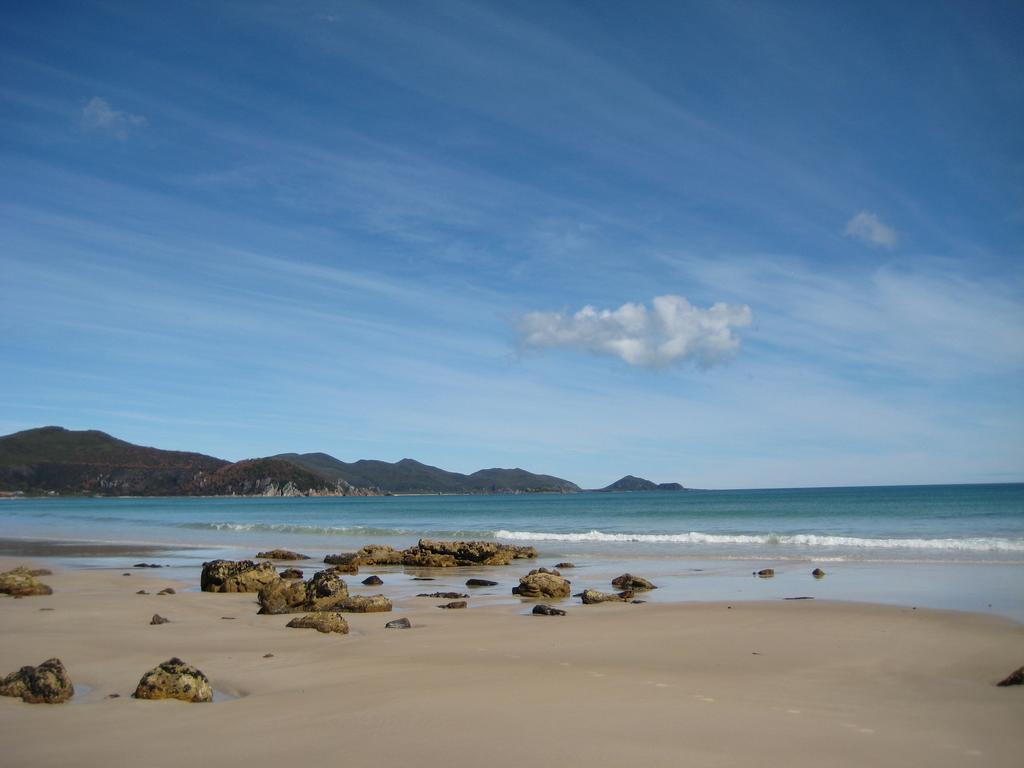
(237, 576)
(49, 683)
(174, 679)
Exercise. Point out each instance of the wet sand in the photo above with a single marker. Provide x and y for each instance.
(59, 548)
(796, 683)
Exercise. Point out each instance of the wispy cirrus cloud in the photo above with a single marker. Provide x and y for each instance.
(671, 331)
(870, 229)
(98, 115)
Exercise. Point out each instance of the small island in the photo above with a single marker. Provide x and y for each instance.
(633, 483)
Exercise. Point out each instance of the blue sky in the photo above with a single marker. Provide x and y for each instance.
(725, 244)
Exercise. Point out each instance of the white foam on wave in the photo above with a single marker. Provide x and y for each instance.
(795, 539)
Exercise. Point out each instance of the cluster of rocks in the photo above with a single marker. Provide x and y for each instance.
(325, 591)
(428, 553)
(22, 582)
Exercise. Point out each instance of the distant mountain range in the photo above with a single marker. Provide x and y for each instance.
(57, 460)
(410, 476)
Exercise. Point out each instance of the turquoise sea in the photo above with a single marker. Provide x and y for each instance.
(957, 546)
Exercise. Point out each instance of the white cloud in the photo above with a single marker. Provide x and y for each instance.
(867, 227)
(98, 115)
(673, 330)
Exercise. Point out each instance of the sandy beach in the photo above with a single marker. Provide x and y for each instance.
(700, 684)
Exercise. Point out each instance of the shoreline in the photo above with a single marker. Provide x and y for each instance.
(802, 683)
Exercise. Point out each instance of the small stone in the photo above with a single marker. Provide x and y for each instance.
(158, 619)
(48, 683)
(638, 602)
(443, 595)
(565, 565)
(765, 573)
(818, 573)
(174, 679)
(167, 591)
(547, 610)
(47, 609)
(454, 604)
(126, 574)
(228, 618)
(402, 623)
(147, 565)
(373, 581)
(1014, 678)
(113, 695)
(325, 621)
(423, 578)
(268, 655)
(481, 583)
(142, 592)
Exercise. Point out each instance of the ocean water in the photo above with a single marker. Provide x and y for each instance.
(958, 547)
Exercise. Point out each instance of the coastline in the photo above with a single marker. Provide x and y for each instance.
(782, 682)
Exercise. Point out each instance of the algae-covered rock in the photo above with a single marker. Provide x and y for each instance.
(540, 583)
(321, 621)
(281, 554)
(49, 683)
(237, 576)
(20, 582)
(174, 679)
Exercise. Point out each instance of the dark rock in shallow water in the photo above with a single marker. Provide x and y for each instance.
(454, 604)
(443, 595)
(423, 578)
(281, 554)
(147, 565)
(402, 623)
(1014, 678)
(291, 573)
(174, 679)
(801, 597)
(629, 581)
(565, 565)
(481, 583)
(547, 610)
(237, 576)
(48, 683)
(325, 621)
(158, 619)
(818, 573)
(373, 581)
(765, 573)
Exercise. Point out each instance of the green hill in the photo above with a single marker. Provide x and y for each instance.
(410, 476)
(633, 483)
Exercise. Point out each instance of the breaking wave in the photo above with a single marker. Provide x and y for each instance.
(771, 539)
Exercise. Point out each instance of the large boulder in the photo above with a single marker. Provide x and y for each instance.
(281, 554)
(539, 583)
(21, 582)
(322, 621)
(237, 576)
(592, 596)
(48, 683)
(283, 596)
(629, 581)
(174, 679)
(323, 590)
